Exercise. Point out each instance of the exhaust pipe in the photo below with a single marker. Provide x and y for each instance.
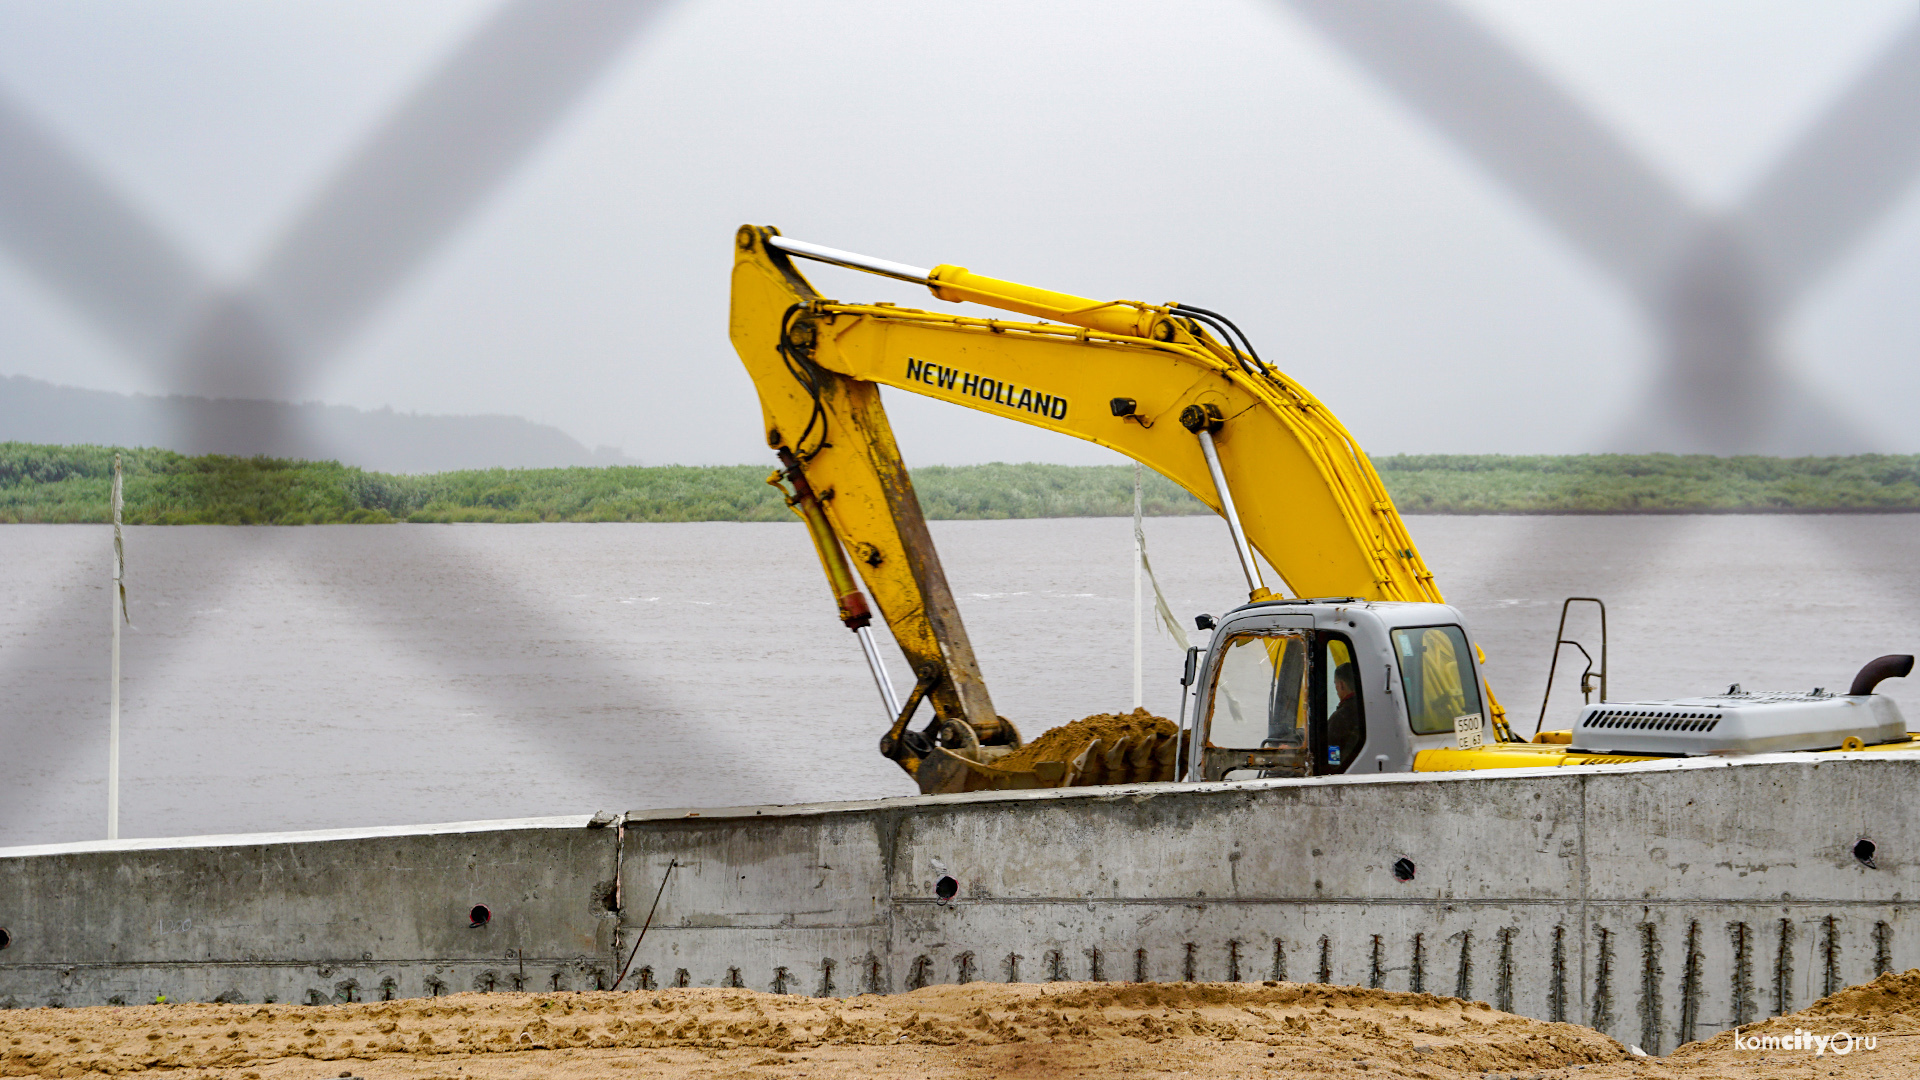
(1885, 667)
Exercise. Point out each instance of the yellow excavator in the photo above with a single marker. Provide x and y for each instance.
(1363, 667)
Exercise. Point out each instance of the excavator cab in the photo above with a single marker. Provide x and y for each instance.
(1323, 687)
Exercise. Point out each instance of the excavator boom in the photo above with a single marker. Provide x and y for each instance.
(1308, 498)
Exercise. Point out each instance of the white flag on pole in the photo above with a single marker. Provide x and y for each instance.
(117, 608)
(1160, 606)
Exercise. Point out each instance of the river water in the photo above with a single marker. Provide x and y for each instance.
(334, 676)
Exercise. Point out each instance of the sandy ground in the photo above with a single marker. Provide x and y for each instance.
(978, 1030)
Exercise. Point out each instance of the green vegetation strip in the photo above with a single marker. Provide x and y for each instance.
(58, 484)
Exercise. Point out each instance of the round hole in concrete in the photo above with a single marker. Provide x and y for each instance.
(946, 888)
(1863, 850)
(479, 916)
(6, 939)
(1403, 869)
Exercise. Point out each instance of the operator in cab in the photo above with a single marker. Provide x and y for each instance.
(1345, 729)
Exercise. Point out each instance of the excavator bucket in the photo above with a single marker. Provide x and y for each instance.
(1106, 749)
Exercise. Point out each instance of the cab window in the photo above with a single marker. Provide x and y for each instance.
(1259, 697)
(1438, 677)
(1337, 689)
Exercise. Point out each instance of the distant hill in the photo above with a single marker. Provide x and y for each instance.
(61, 484)
(32, 411)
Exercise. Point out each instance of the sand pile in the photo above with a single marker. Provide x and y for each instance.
(977, 1030)
(1888, 1008)
(1067, 740)
(1890, 1003)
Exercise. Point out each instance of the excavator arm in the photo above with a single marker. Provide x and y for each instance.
(1166, 385)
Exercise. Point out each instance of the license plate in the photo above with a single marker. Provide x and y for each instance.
(1467, 731)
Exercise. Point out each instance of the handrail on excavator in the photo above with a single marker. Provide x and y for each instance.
(1586, 677)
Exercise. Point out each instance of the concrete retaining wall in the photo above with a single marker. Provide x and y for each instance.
(309, 917)
(1658, 903)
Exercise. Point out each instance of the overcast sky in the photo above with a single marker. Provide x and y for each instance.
(1227, 153)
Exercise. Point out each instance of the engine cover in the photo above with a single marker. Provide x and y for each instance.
(1739, 723)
